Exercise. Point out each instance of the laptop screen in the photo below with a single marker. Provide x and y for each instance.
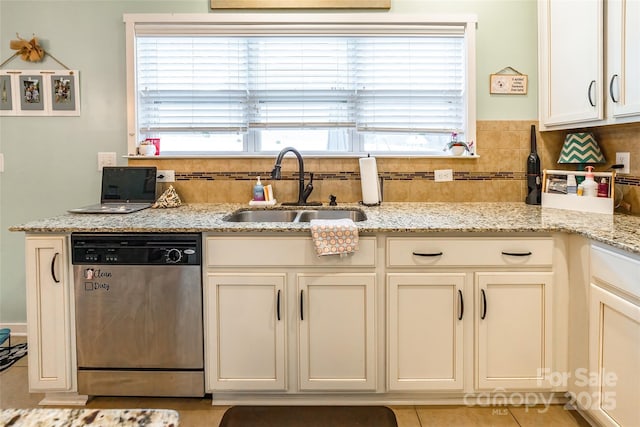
(133, 184)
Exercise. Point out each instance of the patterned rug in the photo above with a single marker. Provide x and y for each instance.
(308, 416)
(10, 355)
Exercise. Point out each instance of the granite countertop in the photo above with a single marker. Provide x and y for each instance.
(619, 230)
(53, 417)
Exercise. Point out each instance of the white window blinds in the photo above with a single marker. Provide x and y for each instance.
(213, 83)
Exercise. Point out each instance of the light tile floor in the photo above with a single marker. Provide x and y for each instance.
(198, 412)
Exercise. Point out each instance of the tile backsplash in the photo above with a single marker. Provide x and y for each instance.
(498, 174)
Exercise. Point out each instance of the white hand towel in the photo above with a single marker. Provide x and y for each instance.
(334, 236)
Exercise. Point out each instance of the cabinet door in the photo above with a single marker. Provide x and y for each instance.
(336, 330)
(623, 58)
(49, 314)
(513, 336)
(425, 338)
(245, 326)
(614, 356)
(571, 61)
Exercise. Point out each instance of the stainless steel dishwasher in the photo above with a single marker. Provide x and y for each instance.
(138, 310)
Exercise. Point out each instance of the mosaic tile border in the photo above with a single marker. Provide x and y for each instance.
(387, 176)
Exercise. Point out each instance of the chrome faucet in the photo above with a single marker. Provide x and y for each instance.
(303, 192)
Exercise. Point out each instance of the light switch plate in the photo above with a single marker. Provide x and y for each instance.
(442, 175)
(1, 162)
(623, 159)
(106, 159)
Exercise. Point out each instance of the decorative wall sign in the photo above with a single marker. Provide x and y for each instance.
(508, 81)
(39, 93)
(300, 4)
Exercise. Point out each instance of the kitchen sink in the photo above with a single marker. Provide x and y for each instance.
(294, 215)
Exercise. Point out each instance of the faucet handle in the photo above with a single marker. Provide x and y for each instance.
(332, 200)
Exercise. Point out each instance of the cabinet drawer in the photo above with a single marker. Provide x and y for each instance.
(615, 269)
(274, 251)
(476, 251)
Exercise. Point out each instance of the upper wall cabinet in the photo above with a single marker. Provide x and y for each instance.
(581, 83)
(623, 60)
(571, 71)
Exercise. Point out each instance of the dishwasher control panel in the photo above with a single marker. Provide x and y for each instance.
(136, 249)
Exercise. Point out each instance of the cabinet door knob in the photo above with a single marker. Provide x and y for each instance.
(484, 304)
(53, 268)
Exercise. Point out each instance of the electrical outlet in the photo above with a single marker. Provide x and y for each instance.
(623, 159)
(166, 176)
(106, 159)
(441, 175)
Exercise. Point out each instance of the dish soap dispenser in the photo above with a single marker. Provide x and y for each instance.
(589, 185)
(258, 191)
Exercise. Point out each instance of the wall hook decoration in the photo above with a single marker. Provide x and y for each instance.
(28, 50)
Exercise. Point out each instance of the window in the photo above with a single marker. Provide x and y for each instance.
(226, 88)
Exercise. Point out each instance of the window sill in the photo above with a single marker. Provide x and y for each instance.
(306, 156)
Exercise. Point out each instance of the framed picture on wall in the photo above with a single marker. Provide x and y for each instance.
(39, 93)
(31, 93)
(64, 94)
(6, 95)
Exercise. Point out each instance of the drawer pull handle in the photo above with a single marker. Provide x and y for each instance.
(53, 268)
(484, 304)
(302, 304)
(613, 79)
(461, 299)
(278, 305)
(432, 254)
(593, 82)
(517, 253)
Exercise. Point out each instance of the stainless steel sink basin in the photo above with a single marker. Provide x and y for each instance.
(354, 215)
(294, 215)
(261, 216)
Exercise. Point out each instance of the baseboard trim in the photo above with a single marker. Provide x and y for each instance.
(17, 329)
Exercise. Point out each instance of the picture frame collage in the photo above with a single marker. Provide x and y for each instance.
(39, 93)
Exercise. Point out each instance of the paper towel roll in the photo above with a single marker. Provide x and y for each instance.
(369, 181)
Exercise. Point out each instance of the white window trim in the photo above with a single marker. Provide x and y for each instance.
(322, 23)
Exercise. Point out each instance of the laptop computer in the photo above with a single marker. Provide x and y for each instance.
(125, 189)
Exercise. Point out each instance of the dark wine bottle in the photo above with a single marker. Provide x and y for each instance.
(534, 181)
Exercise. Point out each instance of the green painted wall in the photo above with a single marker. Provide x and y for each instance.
(51, 162)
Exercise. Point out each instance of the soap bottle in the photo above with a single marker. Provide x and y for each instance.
(258, 191)
(603, 188)
(589, 185)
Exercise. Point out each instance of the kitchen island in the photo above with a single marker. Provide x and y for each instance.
(411, 317)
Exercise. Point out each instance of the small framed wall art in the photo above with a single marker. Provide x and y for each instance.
(39, 93)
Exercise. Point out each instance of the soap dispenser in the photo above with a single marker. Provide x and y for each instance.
(589, 185)
(258, 191)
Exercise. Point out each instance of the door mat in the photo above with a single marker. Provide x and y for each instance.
(308, 416)
(10, 355)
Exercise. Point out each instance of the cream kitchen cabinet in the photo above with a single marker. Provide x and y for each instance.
(570, 46)
(513, 330)
(426, 335)
(471, 308)
(623, 60)
(336, 331)
(280, 318)
(246, 343)
(49, 314)
(614, 339)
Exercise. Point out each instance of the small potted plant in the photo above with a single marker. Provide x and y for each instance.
(456, 147)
